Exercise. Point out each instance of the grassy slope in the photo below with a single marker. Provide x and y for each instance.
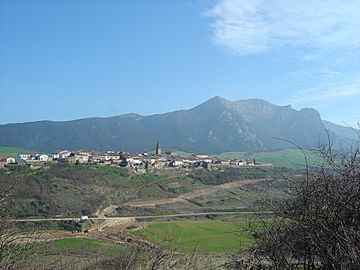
(70, 190)
(209, 235)
(290, 158)
(231, 155)
(75, 189)
(81, 244)
(12, 151)
(75, 253)
(183, 154)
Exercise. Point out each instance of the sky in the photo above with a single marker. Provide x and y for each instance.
(70, 59)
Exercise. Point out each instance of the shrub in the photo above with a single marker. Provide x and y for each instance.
(319, 226)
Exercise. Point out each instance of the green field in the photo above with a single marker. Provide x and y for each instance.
(183, 154)
(84, 244)
(13, 151)
(213, 236)
(231, 155)
(290, 158)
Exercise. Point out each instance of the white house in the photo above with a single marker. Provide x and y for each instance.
(83, 159)
(10, 160)
(136, 161)
(238, 162)
(177, 163)
(43, 157)
(200, 156)
(24, 156)
(242, 162)
(61, 154)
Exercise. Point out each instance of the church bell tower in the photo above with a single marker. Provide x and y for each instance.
(158, 148)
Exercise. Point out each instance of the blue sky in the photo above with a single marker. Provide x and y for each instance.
(62, 60)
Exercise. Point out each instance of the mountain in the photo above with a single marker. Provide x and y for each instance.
(349, 133)
(217, 125)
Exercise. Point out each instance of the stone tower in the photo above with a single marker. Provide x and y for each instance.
(158, 148)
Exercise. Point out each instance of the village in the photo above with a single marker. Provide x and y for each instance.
(139, 162)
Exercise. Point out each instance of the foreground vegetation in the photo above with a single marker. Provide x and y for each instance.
(319, 226)
(315, 223)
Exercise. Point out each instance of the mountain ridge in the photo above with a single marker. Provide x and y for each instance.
(214, 126)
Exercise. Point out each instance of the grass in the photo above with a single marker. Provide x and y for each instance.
(111, 170)
(149, 178)
(183, 153)
(214, 236)
(84, 244)
(13, 151)
(73, 190)
(289, 158)
(231, 155)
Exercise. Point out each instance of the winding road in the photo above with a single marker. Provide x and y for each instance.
(143, 217)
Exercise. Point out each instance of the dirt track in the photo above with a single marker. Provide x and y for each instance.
(200, 192)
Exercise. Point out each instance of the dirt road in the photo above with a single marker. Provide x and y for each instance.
(126, 219)
(197, 193)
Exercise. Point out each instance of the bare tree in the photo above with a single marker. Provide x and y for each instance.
(319, 226)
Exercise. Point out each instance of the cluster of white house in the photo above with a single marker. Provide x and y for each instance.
(136, 161)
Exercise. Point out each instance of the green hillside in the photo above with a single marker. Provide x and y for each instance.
(71, 190)
(90, 245)
(231, 155)
(289, 158)
(13, 151)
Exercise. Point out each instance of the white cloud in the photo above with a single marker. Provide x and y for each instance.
(328, 91)
(331, 74)
(257, 26)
